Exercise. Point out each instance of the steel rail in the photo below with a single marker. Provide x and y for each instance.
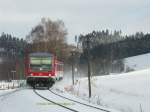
(73, 110)
(80, 102)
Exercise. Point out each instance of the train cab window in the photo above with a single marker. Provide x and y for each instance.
(40, 63)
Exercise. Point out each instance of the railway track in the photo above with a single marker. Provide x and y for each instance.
(73, 110)
(98, 108)
(76, 107)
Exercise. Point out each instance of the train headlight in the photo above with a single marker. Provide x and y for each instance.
(31, 74)
(49, 74)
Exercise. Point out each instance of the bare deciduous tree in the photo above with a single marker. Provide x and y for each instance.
(49, 36)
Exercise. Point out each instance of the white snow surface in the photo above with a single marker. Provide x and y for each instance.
(138, 62)
(128, 92)
(2, 92)
(25, 100)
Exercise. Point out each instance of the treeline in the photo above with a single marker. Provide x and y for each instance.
(107, 49)
(11, 56)
(126, 47)
(11, 45)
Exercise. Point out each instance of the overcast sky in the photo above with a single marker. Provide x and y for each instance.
(18, 17)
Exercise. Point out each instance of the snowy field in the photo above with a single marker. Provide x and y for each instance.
(129, 92)
(138, 62)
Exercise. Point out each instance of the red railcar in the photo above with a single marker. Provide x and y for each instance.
(42, 69)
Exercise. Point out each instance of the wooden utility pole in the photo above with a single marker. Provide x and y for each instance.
(72, 55)
(89, 66)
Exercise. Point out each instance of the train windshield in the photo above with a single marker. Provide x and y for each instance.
(40, 63)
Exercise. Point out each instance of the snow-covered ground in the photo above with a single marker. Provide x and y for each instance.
(129, 92)
(138, 62)
(6, 91)
(25, 100)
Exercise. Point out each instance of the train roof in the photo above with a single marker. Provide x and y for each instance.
(40, 54)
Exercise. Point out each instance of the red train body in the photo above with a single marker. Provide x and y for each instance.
(42, 69)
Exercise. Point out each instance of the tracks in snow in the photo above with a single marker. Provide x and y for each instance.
(77, 107)
(98, 108)
(52, 101)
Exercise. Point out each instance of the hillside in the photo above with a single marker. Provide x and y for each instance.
(126, 92)
(138, 62)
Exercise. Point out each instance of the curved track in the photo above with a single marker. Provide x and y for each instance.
(73, 110)
(98, 108)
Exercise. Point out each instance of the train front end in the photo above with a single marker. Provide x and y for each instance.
(40, 70)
